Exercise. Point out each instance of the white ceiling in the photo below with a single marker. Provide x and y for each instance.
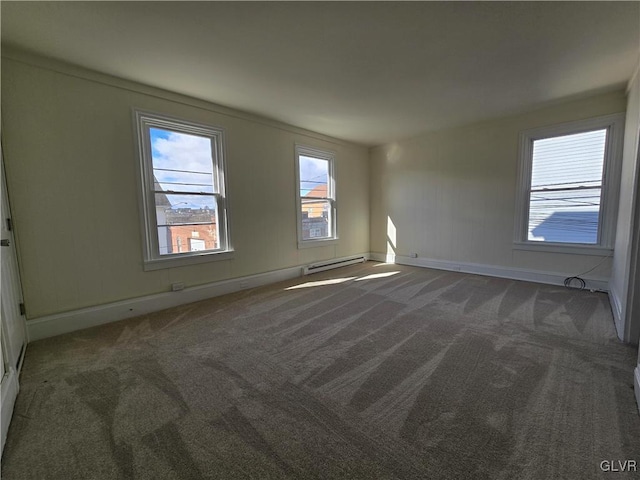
(365, 72)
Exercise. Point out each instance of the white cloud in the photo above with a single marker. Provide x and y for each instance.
(183, 152)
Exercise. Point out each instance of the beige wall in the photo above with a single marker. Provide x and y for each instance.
(451, 194)
(71, 168)
(620, 287)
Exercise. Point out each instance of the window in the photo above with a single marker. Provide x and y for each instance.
(568, 191)
(183, 191)
(316, 199)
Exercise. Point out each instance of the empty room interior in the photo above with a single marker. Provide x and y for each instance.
(291, 240)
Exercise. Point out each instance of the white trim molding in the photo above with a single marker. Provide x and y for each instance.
(60, 323)
(610, 184)
(8, 394)
(159, 249)
(330, 198)
(560, 248)
(616, 309)
(57, 324)
(537, 276)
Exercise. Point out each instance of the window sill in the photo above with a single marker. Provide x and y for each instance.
(183, 261)
(317, 243)
(572, 249)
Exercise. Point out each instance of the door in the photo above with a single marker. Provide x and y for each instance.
(12, 321)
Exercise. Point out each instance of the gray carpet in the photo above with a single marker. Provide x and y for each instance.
(417, 374)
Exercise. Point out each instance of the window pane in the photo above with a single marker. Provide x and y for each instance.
(565, 216)
(174, 209)
(174, 239)
(181, 162)
(316, 219)
(314, 177)
(186, 223)
(566, 181)
(570, 160)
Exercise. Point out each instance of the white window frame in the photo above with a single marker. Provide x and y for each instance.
(609, 191)
(306, 151)
(152, 260)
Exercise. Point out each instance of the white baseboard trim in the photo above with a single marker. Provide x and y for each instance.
(616, 309)
(59, 323)
(537, 276)
(636, 385)
(9, 392)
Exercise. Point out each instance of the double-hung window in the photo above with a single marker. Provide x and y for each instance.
(316, 196)
(182, 178)
(568, 187)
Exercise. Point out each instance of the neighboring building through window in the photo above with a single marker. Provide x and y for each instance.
(569, 177)
(183, 190)
(315, 196)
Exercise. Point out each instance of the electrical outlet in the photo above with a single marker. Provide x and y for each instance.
(413, 255)
(176, 287)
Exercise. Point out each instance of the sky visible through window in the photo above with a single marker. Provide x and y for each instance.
(314, 172)
(566, 184)
(183, 163)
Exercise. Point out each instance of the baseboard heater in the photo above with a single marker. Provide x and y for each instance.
(330, 264)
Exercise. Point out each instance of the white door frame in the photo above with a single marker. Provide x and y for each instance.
(13, 332)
